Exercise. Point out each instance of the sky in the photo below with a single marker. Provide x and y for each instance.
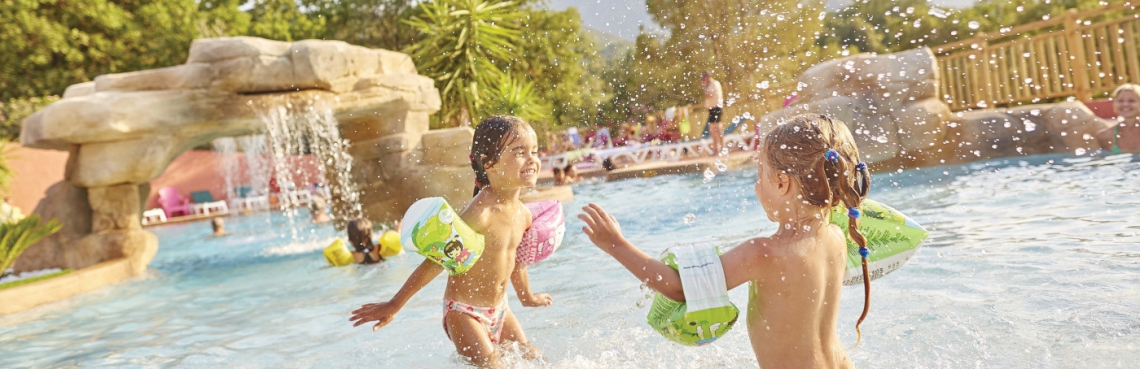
(623, 17)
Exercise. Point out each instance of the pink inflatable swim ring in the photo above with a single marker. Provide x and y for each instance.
(545, 232)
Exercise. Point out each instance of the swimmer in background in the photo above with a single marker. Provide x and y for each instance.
(559, 177)
(318, 208)
(360, 238)
(796, 275)
(570, 174)
(219, 226)
(477, 319)
(1125, 135)
(714, 101)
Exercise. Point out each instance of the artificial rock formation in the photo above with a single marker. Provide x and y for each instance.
(122, 130)
(891, 104)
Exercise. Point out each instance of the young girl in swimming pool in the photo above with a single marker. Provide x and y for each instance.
(1125, 135)
(805, 166)
(504, 155)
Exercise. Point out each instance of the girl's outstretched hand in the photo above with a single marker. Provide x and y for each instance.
(382, 313)
(603, 230)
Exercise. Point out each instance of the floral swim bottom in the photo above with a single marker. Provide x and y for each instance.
(491, 317)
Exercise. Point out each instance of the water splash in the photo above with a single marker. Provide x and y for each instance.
(690, 218)
(721, 167)
(709, 175)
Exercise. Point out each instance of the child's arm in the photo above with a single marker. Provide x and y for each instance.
(521, 281)
(740, 264)
(384, 312)
(605, 232)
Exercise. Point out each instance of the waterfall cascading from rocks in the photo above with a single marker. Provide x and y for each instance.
(300, 148)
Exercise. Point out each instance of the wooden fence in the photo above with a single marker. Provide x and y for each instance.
(1055, 58)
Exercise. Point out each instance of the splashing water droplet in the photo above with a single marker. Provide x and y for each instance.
(973, 25)
(709, 175)
(690, 218)
(1081, 151)
(721, 166)
(723, 151)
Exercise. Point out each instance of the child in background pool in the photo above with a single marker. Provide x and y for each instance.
(559, 177)
(806, 166)
(364, 251)
(570, 174)
(504, 155)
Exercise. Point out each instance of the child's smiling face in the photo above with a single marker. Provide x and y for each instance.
(518, 164)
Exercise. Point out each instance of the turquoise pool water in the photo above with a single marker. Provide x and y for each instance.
(1032, 262)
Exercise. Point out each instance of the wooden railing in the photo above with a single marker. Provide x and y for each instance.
(1063, 57)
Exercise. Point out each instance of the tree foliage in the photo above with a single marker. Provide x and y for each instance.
(466, 46)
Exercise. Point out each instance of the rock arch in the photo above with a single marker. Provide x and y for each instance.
(122, 130)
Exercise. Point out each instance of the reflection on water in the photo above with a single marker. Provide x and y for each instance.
(1031, 263)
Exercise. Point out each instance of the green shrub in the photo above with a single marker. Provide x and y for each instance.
(17, 236)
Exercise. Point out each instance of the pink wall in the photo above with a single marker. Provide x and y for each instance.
(203, 170)
(35, 171)
(1102, 108)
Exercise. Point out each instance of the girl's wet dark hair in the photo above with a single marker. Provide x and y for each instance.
(491, 137)
(801, 147)
(360, 235)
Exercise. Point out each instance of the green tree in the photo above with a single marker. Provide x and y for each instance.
(15, 237)
(464, 46)
(370, 23)
(282, 20)
(557, 54)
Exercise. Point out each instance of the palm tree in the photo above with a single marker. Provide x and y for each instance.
(17, 236)
(516, 97)
(465, 47)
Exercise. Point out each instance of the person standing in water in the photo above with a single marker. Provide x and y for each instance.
(805, 167)
(714, 101)
(1125, 135)
(477, 319)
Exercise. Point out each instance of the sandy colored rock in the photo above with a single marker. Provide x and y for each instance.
(181, 77)
(103, 164)
(1073, 125)
(448, 147)
(263, 73)
(137, 246)
(922, 123)
(79, 89)
(394, 62)
(114, 208)
(209, 50)
(69, 205)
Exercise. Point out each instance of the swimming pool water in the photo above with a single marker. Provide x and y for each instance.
(1031, 262)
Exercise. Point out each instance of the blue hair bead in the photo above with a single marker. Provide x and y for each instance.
(831, 155)
(854, 212)
(864, 252)
(861, 166)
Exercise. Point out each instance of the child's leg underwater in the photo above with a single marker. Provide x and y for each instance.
(471, 339)
(513, 333)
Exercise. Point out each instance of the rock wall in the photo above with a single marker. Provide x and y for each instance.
(122, 130)
(891, 103)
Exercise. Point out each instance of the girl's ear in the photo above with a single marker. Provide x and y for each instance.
(783, 183)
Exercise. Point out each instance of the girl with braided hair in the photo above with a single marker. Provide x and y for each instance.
(477, 319)
(806, 166)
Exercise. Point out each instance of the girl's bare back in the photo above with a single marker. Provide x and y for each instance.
(793, 299)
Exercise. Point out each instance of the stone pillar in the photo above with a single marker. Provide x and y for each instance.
(116, 227)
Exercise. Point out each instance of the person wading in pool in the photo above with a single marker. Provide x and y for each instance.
(1125, 135)
(504, 155)
(714, 101)
(805, 167)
